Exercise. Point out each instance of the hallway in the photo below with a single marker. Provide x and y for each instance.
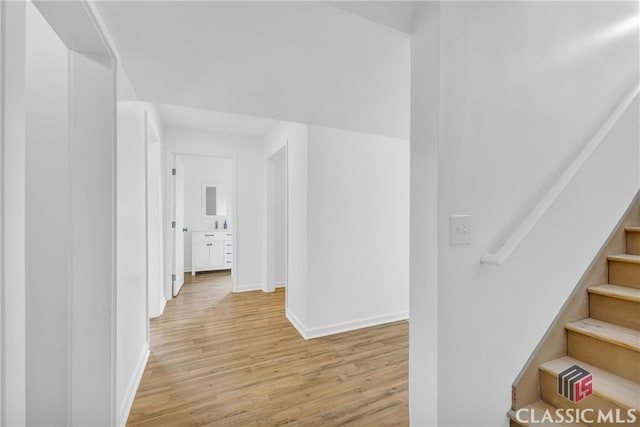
(219, 358)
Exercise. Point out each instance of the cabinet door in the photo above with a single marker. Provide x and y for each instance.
(216, 253)
(201, 248)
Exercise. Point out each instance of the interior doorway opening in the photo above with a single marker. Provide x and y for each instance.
(277, 220)
(204, 212)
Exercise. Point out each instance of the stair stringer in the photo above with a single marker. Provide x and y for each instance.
(553, 345)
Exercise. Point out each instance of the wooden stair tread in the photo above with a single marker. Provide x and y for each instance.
(538, 408)
(632, 229)
(604, 331)
(632, 259)
(610, 387)
(617, 291)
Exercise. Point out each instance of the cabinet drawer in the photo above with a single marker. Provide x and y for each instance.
(228, 263)
(228, 244)
(214, 235)
(228, 253)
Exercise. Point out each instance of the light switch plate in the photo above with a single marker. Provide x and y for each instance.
(460, 230)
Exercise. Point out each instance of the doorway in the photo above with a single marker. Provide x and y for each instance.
(277, 221)
(204, 211)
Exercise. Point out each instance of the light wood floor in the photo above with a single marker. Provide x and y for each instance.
(224, 359)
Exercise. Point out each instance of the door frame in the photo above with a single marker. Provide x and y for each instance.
(176, 229)
(269, 283)
(170, 207)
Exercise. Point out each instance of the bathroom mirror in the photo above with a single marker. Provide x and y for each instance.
(214, 200)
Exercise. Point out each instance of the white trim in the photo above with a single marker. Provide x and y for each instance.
(2, 204)
(205, 269)
(336, 328)
(302, 330)
(146, 224)
(127, 403)
(286, 221)
(163, 304)
(280, 285)
(512, 243)
(248, 288)
(114, 230)
(234, 221)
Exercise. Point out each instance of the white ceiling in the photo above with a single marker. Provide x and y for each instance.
(398, 15)
(307, 62)
(208, 120)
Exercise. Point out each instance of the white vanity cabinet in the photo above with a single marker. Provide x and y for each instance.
(211, 250)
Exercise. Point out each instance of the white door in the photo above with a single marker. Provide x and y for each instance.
(177, 232)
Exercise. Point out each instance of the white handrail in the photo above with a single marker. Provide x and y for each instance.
(501, 256)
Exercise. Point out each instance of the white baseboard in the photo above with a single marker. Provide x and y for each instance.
(336, 328)
(302, 330)
(248, 288)
(125, 406)
(276, 285)
(161, 304)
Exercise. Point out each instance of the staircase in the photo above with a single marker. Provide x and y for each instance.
(605, 345)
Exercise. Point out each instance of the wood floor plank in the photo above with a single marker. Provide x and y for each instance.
(224, 359)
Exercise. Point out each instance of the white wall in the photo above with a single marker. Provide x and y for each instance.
(132, 273)
(523, 86)
(89, 190)
(295, 137)
(423, 327)
(125, 89)
(92, 177)
(347, 210)
(358, 230)
(249, 230)
(13, 377)
(199, 171)
(47, 224)
(155, 216)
